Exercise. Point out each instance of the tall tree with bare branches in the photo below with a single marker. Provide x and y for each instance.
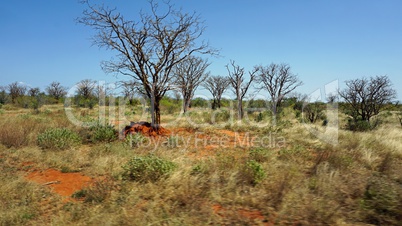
(279, 81)
(149, 48)
(189, 74)
(239, 84)
(16, 90)
(216, 85)
(56, 90)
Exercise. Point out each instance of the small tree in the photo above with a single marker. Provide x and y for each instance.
(314, 111)
(189, 74)
(216, 85)
(3, 95)
(85, 93)
(129, 89)
(16, 90)
(86, 88)
(366, 97)
(56, 91)
(279, 81)
(33, 92)
(239, 84)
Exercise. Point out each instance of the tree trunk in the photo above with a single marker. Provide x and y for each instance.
(240, 108)
(157, 114)
(214, 105)
(186, 103)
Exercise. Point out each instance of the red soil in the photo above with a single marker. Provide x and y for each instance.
(64, 184)
(145, 128)
(254, 215)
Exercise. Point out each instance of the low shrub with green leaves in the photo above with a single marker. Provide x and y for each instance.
(102, 133)
(58, 138)
(147, 168)
(253, 172)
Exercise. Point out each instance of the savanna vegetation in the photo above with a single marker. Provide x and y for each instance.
(210, 169)
(69, 157)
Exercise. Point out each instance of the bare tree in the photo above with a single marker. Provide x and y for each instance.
(16, 90)
(189, 74)
(366, 97)
(279, 81)
(129, 89)
(34, 92)
(239, 84)
(86, 88)
(216, 85)
(56, 91)
(149, 48)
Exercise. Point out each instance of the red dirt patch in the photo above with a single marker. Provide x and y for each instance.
(64, 184)
(144, 128)
(254, 215)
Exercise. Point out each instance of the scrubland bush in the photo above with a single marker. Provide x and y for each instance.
(102, 133)
(147, 168)
(58, 138)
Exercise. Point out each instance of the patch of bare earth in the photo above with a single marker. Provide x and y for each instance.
(64, 184)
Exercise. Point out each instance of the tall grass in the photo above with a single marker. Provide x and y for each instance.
(305, 182)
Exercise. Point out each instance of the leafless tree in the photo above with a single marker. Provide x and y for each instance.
(149, 48)
(129, 89)
(56, 91)
(279, 81)
(16, 90)
(366, 97)
(239, 85)
(216, 85)
(34, 92)
(86, 88)
(189, 74)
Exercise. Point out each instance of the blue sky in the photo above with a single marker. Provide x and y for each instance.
(322, 41)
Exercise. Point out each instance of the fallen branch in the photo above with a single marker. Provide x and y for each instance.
(52, 182)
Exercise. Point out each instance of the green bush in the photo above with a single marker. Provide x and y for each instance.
(147, 168)
(102, 133)
(58, 138)
(361, 125)
(253, 172)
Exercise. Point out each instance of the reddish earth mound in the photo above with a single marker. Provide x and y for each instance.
(144, 128)
(64, 184)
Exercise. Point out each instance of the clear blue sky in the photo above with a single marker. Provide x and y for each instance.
(322, 41)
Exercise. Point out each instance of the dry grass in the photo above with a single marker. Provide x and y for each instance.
(305, 181)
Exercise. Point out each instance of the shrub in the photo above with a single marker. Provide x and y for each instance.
(358, 125)
(147, 168)
(253, 172)
(102, 133)
(58, 138)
